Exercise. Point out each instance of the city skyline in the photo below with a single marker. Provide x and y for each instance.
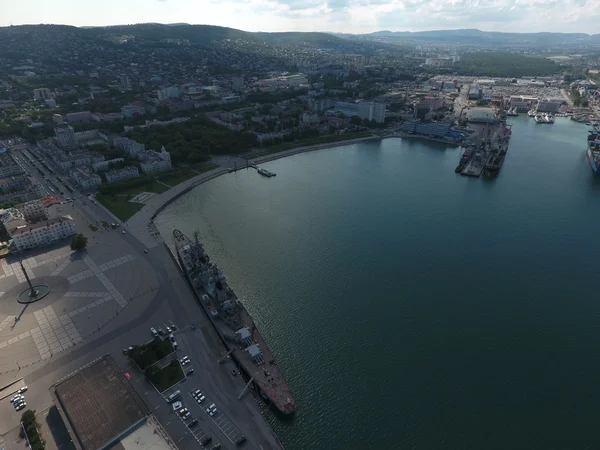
(346, 16)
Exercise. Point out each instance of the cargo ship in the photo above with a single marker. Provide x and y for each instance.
(593, 150)
(464, 160)
(233, 323)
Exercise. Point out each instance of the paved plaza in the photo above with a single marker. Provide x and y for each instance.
(87, 291)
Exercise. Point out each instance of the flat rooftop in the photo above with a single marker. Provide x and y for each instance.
(98, 404)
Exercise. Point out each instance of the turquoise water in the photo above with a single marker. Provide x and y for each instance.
(410, 307)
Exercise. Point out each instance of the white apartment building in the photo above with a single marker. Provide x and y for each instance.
(372, 111)
(12, 218)
(153, 162)
(42, 233)
(125, 173)
(65, 135)
(103, 166)
(129, 146)
(85, 178)
(34, 211)
(42, 94)
(130, 111)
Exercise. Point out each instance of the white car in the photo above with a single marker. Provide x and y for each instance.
(200, 398)
(184, 361)
(23, 389)
(16, 398)
(20, 406)
(154, 332)
(182, 411)
(186, 416)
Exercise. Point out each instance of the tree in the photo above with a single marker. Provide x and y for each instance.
(79, 242)
(4, 236)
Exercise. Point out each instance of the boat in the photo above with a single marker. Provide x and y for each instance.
(531, 113)
(233, 322)
(464, 160)
(496, 159)
(593, 151)
(548, 118)
(265, 172)
(512, 112)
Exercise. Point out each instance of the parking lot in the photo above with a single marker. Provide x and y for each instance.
(230, 431)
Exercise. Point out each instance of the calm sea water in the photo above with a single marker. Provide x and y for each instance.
(410, 307)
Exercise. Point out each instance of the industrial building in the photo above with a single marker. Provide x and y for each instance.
(474, 92)
(101, 410)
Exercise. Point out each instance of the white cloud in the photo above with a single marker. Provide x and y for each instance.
(351, 16)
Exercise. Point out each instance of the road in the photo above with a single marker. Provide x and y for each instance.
(172, 301)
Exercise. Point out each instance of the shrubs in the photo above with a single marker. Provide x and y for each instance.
(30, 426)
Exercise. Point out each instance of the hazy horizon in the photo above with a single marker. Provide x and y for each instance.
(343, 16)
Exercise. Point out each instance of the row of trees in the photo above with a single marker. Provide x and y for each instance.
(30, 427)
(194, 140)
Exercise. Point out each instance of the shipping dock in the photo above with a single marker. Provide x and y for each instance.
(496, 159)
(489, 154)
(233, 323)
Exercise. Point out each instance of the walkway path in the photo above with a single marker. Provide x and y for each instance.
(140, 224)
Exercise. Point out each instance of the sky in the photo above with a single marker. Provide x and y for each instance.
(346, 16)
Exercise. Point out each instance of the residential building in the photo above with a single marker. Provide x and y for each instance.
(237, 83)
(34, 211)
(14, 183)
(129, 146)
(12, 218)
(370, 110)
(82, 116)
(8, 166)
(131, 110)
(57, 118)
(310, 118)
(125, 173)
(50, 103)
(85, 178)
(91, 137)
(65, 135)
(42, 94)
(169, 92)
(103, 166)
(41, 233)
(155, 162)
(125, 82)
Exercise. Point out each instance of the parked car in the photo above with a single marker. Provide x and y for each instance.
(20, 406)
(190, 372)
(16, 398)
(186, 416)
(193, 423)
(23, 389)
(154, 332)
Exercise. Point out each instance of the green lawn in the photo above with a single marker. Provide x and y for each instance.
(166, 377)
(119, 205)
(105, 224)
(147, 354)
(93, 227)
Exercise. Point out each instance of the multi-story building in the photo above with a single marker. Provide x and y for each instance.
(370, 110)
(433, 103)
(41, 233)
(125, 173)
(85, 178)
(57, 118)
(474, 92)
(12, 218)
(153, 162)
(42, 94)
(237, 83)
(91, 137)
(34, 211)
(65, 135)
(103, 166)
(125, 82)
(129, 146)
(14, 183)
(82, 116)
(130, 111)
(8, 166)
(77, 160)
(50, 103)
(169, 92)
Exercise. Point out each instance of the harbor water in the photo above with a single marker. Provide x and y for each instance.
(410, 307)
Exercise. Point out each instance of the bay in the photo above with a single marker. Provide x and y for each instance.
(410, 307)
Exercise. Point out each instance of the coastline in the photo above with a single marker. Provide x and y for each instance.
(402, 135)
(141, 223)
(309, 148)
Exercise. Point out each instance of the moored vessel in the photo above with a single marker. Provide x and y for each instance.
(233, 322)
(593, 151)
